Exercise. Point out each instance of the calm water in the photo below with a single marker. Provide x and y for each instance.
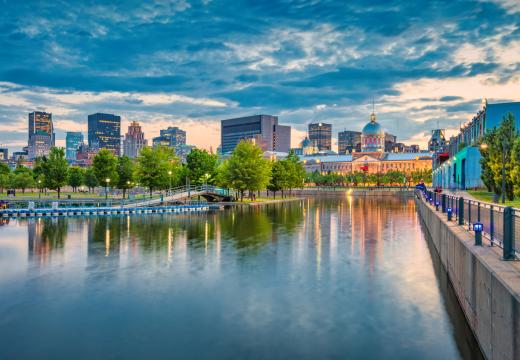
(330, 278)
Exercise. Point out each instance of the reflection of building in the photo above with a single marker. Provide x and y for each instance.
(171, 137)
(372, 163)
(321, 136)
(134, 140)
(41, 134)
(349, 142)
(73, 140)
(459, 167)
(104, 132)
(264, 129)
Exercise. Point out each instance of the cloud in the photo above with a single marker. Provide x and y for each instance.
(193, 63)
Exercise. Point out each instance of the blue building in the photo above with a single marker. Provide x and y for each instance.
(459, 167)
(73, 140)
(171, 137)
(104, 132)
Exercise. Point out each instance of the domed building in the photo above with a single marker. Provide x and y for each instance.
(308, 147)
(372, 136)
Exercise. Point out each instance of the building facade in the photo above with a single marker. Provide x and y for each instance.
(134, 140)
(4, 154)
(171, 137)
(349, 142)
(41, 134)
(321, 136)
(371, 163)
(263, 129)
(459, 166)
(104, 132)
(73, 140)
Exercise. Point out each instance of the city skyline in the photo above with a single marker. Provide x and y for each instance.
(422, 63)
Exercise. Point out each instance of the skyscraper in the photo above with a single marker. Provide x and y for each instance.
(172, 136)
(73, 140)
(41, 134)
(264, 129)
(321, 136)
(134, 140)
(104, 132)
(349, 141)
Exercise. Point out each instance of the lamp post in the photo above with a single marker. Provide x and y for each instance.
(128, 186)
(39, 189)
(107, 181)
(170, 174)
(206, 176)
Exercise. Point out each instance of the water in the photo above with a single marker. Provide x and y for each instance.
(322, 278)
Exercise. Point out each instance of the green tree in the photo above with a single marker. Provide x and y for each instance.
(154, 165)
(4, 168)
(246, 169)
(90, 180)
(76, 177)
(125, 174)
(22, 180)
(279, 177)
(55, 170)
(105, 167)
(296, 171)
(199, 164)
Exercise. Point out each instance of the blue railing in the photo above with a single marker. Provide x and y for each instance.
(500, 225)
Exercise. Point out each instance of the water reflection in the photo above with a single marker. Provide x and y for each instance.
(331, 277)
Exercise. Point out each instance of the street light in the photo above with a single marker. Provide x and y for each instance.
(170, 173)
(107, 181)
(39, 189)
(206, 176)
(128, 186)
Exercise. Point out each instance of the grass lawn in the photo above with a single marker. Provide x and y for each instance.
(486, 196)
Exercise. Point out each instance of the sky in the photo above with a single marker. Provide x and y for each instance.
(424, 63)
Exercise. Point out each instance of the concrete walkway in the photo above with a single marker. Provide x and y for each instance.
(458, 193)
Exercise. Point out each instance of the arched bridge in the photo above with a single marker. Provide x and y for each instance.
(210, 193)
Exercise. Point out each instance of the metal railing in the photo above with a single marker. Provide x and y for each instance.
(500, 225)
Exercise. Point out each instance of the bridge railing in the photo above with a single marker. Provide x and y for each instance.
(500, 225)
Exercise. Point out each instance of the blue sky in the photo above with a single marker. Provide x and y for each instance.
(193, 63)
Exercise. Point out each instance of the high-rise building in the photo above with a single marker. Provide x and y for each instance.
(4, 154)
(41, 134)
(104, 132)
(263, 129)
(134, 140)
(437, 142)
(349, 142)
(390, 140)
(73, 140)
(172, 137)
(321, 136)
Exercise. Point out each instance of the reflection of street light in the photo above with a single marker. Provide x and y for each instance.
(107, 181)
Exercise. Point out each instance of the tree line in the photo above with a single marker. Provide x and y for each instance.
(158, 168)
(500, 159)
(360, 178)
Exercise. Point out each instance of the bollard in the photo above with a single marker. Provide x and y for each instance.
(437, 206)
(460, 214)
(450, 212)
(443, 201)
(478, 228)
(508, 251)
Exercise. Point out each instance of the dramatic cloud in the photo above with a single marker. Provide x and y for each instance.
(191, 63)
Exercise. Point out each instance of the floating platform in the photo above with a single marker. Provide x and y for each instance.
(91, 211)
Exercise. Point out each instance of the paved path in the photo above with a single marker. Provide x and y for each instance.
(459, 193)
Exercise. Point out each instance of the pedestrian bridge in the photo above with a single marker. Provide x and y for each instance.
(210, 193)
